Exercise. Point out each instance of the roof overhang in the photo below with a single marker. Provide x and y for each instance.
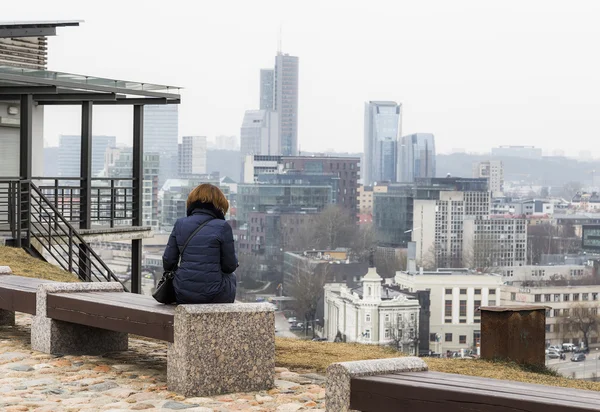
(34, 28)
(58, 88)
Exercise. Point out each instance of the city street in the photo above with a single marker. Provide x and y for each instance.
(582, 370)
(282, 326)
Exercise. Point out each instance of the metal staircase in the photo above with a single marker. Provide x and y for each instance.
(35, 223)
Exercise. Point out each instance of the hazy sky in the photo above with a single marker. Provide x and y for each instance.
(475, 73)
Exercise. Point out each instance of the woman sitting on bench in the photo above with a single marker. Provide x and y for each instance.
(208, 261)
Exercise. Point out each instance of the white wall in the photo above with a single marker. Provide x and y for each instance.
(9, 143)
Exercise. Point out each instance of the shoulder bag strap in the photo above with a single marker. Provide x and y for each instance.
(190, 238)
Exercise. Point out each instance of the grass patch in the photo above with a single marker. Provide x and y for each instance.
(305, 355)
(22, 264)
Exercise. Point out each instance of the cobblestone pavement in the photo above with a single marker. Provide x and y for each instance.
(126, 381)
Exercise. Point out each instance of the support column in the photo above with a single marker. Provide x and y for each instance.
(25, 165)
(86, 165)
(85, 172)
(26, 136)
(138, 196)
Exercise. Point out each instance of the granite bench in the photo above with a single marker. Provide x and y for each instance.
(399, 384)
(212, 349)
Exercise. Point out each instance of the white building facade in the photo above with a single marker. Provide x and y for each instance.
(493, 170)
(259, 134)
(192, 156)
(561, 301)
(455, 321)
(372, 314)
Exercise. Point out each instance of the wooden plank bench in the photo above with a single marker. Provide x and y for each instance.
(212, 350)
(361, 387)
(17, 294)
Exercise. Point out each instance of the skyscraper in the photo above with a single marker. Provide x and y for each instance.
(69, 154)
(266, 89)
(161, 129)
(285, 101)
(494, 172)
(259, 134)
(192, 156)
(383, 124)
(417, 157)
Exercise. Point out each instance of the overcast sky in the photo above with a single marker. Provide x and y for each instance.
(475, 73)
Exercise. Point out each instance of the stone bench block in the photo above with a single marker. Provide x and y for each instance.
(7, 317)
(222, 348)
(58, 337)
(339, 375)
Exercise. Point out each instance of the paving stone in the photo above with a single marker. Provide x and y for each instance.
(141, 406)
(21, 368)
(178, 405)
(100, 387)
(281, 384)
(289, 407)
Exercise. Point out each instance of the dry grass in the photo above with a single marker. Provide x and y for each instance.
(316, 356)
(22, 264)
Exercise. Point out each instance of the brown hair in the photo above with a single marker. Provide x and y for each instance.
(207, 193)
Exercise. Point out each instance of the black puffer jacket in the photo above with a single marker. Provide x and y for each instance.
(205, 274)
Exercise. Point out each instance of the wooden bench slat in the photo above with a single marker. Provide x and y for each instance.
(106, 311)
(129, 298)
(500, 386)
(389, 393)
(17, 293)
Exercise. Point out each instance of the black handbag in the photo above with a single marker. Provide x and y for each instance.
(165, 291)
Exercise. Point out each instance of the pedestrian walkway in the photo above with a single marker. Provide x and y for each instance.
(124, 381)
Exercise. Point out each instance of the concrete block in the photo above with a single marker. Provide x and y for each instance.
(57, 337)
(222, 348)
(339, 375)
(5, 270)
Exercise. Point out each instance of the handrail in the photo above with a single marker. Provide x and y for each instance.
(74, 233)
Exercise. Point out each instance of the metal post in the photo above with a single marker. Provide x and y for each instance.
(85, 268)
(25, 162)
(86, 165)
(26, 136)
(138, 194)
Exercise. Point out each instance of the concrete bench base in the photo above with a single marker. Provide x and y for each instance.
(57, 337)
(223, 348)
(7, 318)
(339, 375)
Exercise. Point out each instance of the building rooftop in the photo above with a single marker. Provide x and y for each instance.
(33, 28)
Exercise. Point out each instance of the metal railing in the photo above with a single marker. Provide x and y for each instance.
(31, 217)
(112, 201)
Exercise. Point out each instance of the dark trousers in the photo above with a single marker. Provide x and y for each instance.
(227, 294)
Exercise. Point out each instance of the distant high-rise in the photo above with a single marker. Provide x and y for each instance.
(259, 134)
(192, 156)
(492, 170)
(161, 129)
(285, 101)
(69, 154)
(226, 143)
(417, 157)
(383, 125)
(267, 77)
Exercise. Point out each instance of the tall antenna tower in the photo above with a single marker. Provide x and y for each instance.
(280, 40)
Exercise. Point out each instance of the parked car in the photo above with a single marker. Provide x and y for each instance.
(553, 355)
(568, 347)
(581, 350)
(556, 348)
(292, 320)
(578, 357)
(296, 327)
(319, 339)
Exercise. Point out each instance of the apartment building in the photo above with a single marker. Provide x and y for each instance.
(456, 296)
(562, 302)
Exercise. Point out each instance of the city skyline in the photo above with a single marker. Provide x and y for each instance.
(473, 100)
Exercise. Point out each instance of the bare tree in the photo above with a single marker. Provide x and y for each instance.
(389, 263)
(429, 260)
(306, 288)
(334, 227)
(582, 320)
(404, 333)
(364, 240)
